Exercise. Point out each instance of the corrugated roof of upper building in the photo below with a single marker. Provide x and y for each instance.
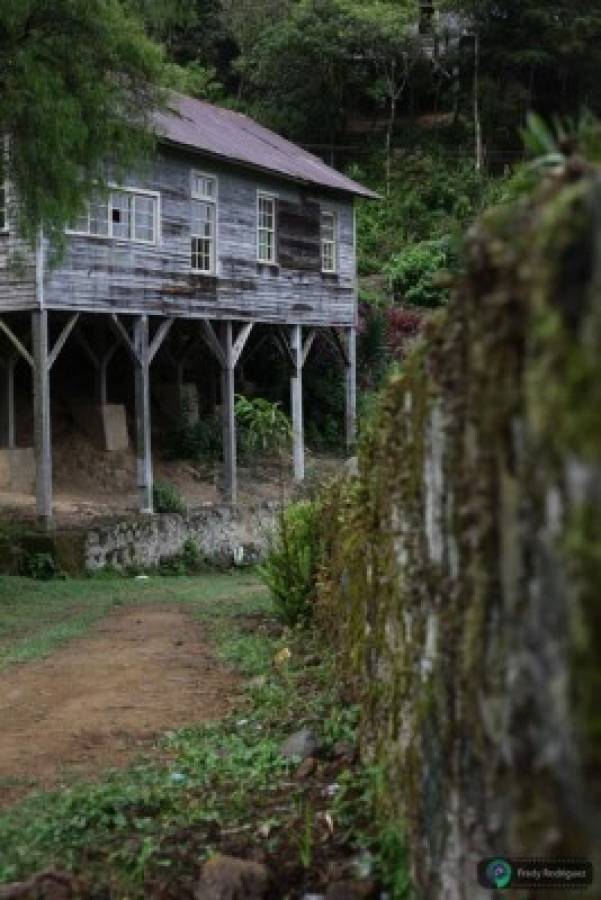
(230, 135)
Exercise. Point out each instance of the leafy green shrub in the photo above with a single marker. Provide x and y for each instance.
(200, 441)
(263, 425)
(415, 273)
(189, 561)
(431, 196)
(290, 569)
(167, 499)
(42, 566)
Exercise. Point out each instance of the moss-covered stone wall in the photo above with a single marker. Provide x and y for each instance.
(463, 575)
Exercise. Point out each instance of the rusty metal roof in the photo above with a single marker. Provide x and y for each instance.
(230, 135)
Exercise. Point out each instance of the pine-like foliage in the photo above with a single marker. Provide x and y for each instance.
(77, 88)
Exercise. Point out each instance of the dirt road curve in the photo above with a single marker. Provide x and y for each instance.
(101, 699)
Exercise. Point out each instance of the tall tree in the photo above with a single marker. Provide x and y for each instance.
(300, 71)
(78, 86)
(542, 55)
(386, 37)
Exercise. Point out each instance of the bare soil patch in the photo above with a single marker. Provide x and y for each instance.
(99, 701)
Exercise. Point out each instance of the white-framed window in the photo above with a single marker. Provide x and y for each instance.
(266, 228)
(126, 214)
(204, 223)
(329, 241)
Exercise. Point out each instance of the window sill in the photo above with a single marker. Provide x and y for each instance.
(106, 238)
(271, 268)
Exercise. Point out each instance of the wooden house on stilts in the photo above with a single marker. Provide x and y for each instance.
(229, 226)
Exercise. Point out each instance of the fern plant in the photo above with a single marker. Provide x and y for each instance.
(264, 426)
(290, 569)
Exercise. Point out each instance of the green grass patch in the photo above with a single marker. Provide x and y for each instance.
(36, 617)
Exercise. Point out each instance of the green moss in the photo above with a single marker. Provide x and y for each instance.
(514, 368)
(582, 543)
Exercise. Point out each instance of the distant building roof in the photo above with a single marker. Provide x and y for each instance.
(232, 136)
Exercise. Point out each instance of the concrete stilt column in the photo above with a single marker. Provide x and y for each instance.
(296, 403)
(351, 390)
(41, 416)
(143, 433)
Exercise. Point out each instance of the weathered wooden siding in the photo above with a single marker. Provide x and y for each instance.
(98, 274)
(17, 268)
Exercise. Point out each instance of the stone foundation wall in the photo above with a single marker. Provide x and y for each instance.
(463, 576)
(224, 535)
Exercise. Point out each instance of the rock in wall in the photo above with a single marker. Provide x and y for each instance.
(463, 574)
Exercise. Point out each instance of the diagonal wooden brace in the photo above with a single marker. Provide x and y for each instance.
(124, 337)
(62, 340)
(161, 334)
(16, 343)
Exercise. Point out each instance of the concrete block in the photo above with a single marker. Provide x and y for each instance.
(114, 423)
(105, 425)
(17, 469)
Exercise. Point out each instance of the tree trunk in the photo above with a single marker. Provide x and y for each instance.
(477, 122)
(394, 94)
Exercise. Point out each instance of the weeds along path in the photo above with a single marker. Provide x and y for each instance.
(101, 699)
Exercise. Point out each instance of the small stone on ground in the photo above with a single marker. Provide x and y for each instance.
(228, 878)
(301, 744)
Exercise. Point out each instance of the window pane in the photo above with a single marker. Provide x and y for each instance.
(99, 217)
(327, 226)
(81, 223)
(144, 218)
(203, 186)
(329, 247)
(120, 214)
(266, 229)
(328, 257)
(265, 212)
(203, 218)
(202, 254)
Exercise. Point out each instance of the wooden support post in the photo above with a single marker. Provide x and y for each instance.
(41, 416)
(296, 402)
(143, 437)
(229, 418)
(351, 390)
(103, 381)
(11, 427)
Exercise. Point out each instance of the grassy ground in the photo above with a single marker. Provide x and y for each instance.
(144, 832)
(37, 616)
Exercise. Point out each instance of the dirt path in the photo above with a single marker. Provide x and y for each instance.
(98, 701)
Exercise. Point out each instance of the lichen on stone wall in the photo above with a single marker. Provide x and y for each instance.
(464, 561)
